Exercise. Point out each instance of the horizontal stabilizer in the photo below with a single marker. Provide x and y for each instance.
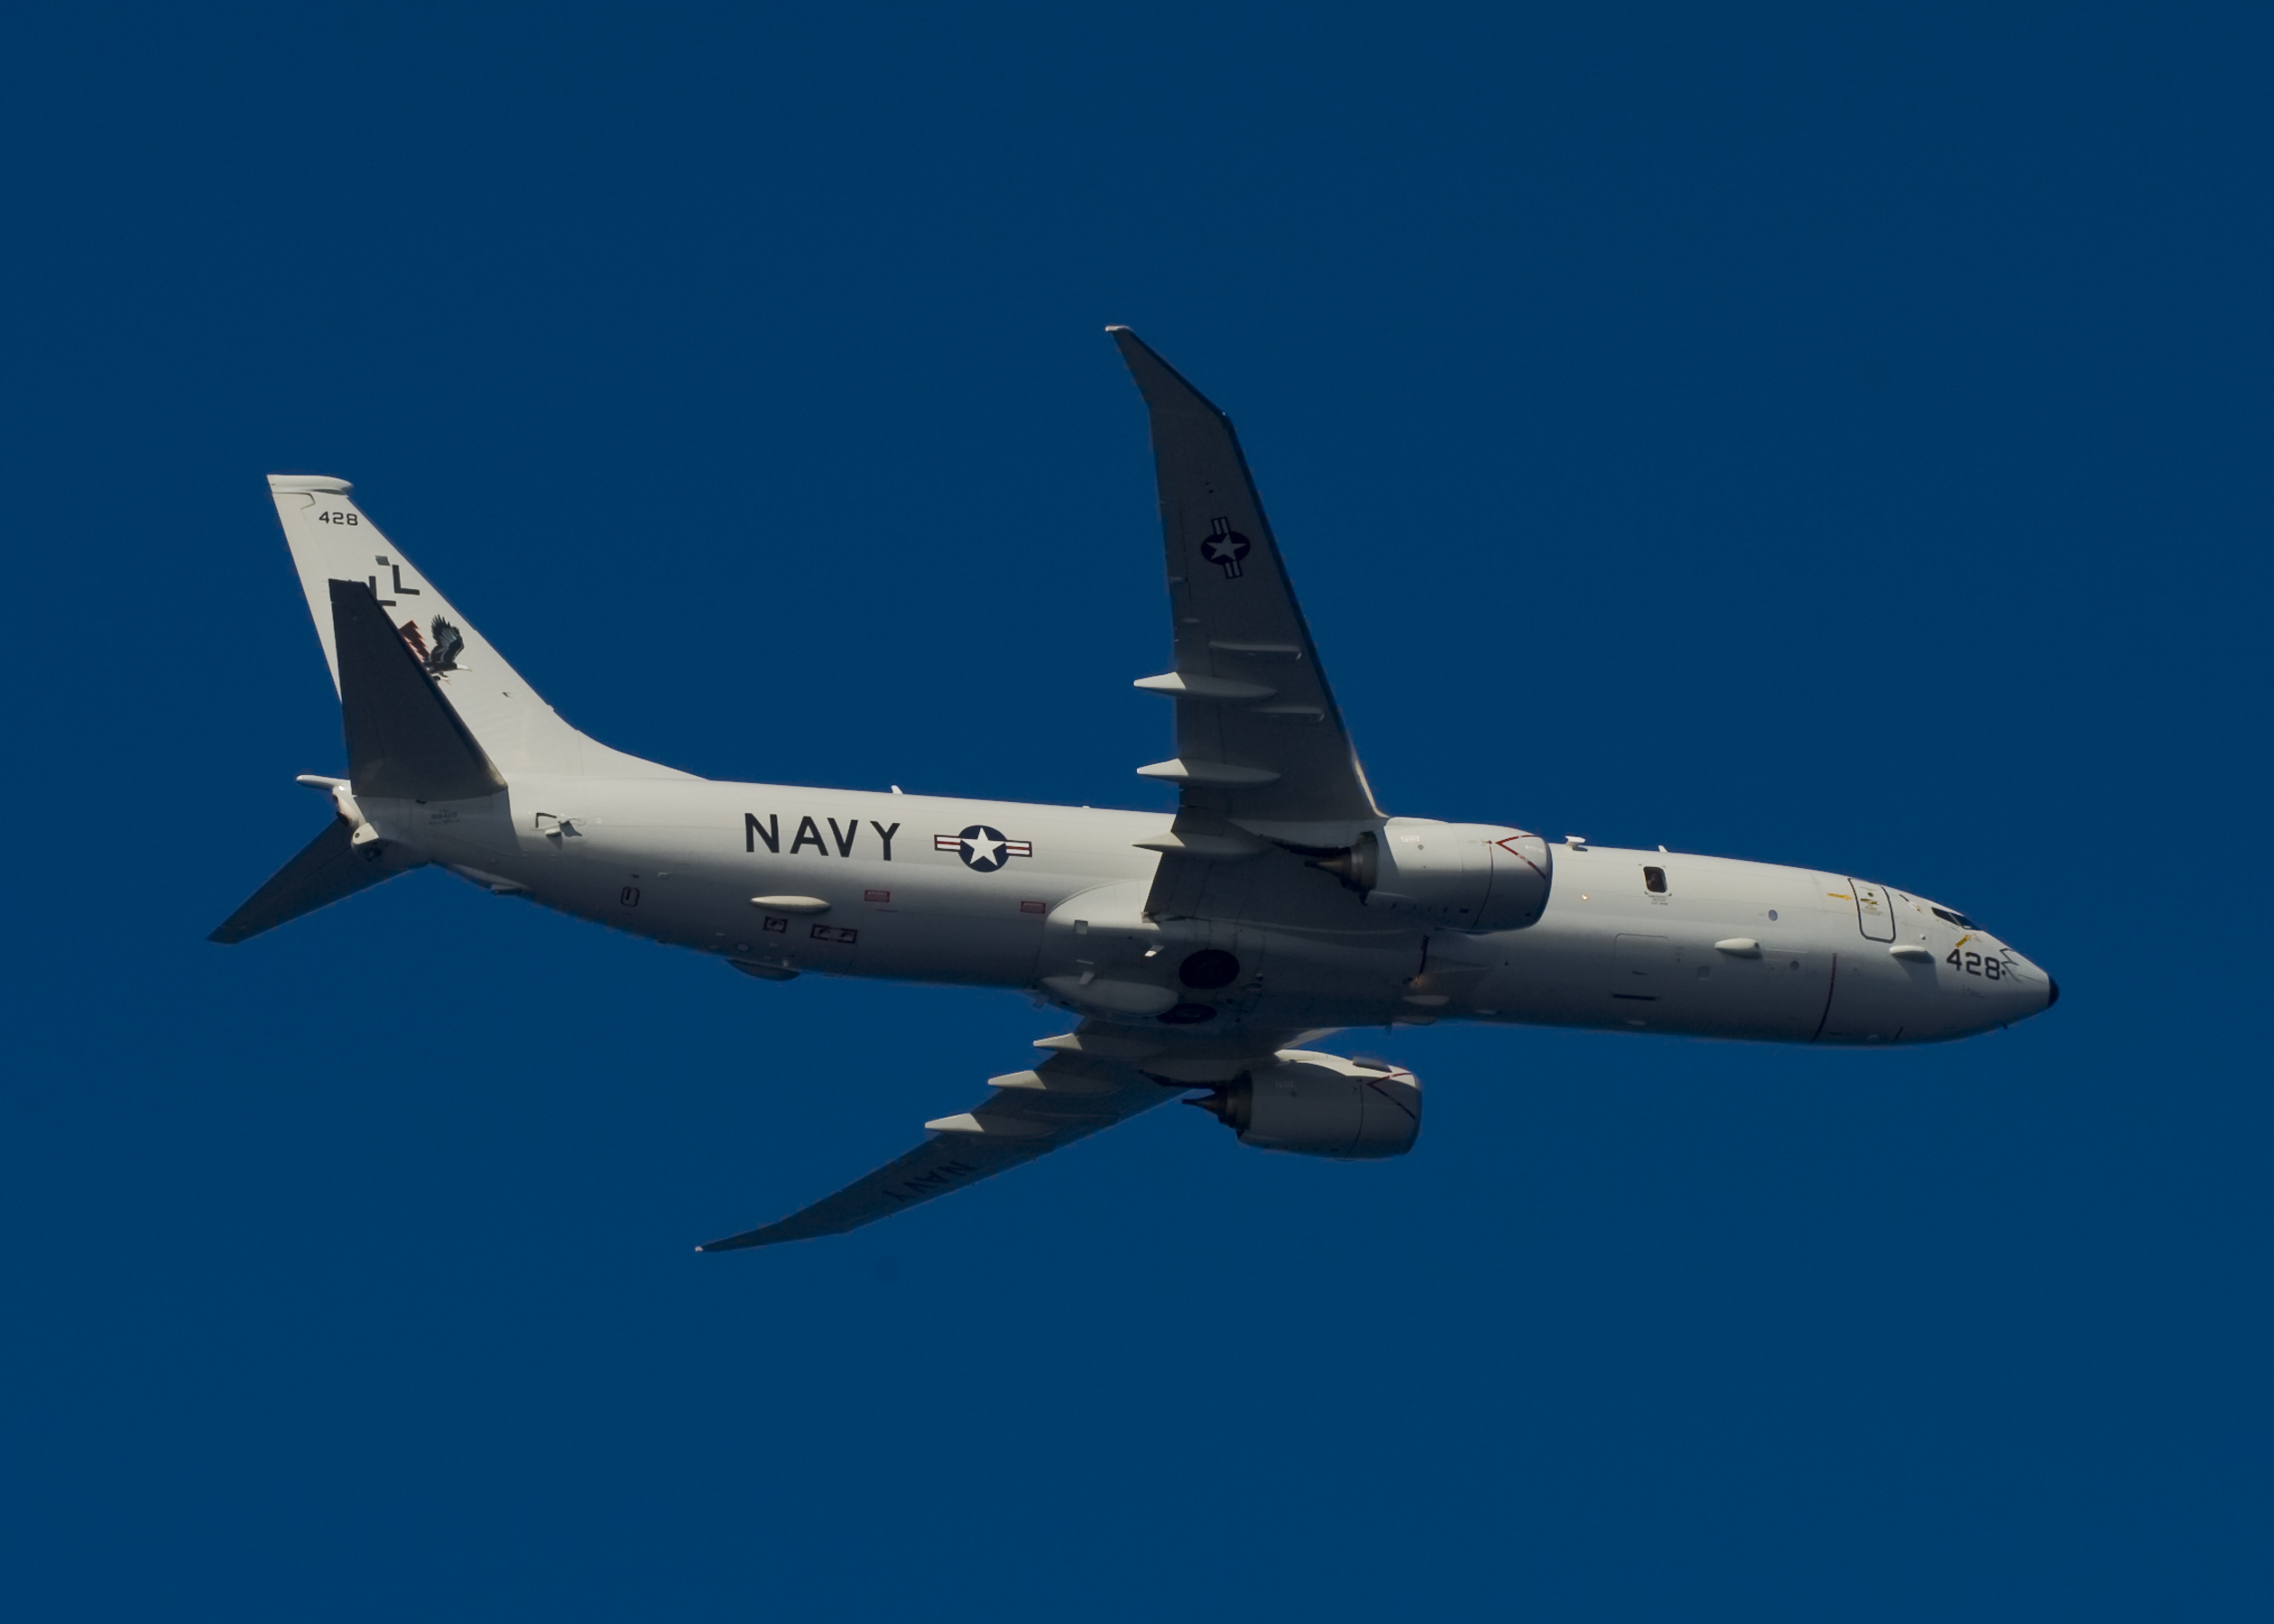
(329, 868)
(404, 740)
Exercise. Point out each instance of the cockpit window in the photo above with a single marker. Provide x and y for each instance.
(1654, 881)
(1958, 920)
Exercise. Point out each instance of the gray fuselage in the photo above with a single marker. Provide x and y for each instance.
(884, 886)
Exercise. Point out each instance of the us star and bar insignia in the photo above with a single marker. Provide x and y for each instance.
(982, 848)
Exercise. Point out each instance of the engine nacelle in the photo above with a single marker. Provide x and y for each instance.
(1471, 876)
(1318, 1104)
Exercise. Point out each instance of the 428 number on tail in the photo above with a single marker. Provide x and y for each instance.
(329, 518)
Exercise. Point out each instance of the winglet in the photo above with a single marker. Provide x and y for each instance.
(1165, 388)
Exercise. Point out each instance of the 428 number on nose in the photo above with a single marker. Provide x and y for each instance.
(1974, 963)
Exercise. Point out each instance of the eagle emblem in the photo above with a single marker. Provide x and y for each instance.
(447, 641)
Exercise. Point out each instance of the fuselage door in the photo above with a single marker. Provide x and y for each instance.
(1874, 912)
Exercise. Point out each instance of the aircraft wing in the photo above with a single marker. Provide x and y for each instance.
(1094, 1078)
(1260, 744)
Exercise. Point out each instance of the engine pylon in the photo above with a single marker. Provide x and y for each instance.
(1233, 1104)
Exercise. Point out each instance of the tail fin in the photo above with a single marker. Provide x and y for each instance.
(405, 737)
(431, 712)
(333, 539)
(405, 742)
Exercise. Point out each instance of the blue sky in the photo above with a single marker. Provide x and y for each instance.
(1826, 436)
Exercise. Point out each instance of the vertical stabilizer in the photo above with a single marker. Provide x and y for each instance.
(405, 740)
(334, 540)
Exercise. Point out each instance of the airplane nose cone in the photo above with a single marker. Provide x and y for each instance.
(2053, 996)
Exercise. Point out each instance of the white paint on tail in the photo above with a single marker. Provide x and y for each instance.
(332, 538)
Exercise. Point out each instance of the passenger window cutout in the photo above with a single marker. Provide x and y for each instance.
(1654, 881)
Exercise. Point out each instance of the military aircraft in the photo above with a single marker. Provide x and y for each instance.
(1198, 954)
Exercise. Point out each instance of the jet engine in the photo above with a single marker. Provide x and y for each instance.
(1318, 1104)
(1471, 876)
